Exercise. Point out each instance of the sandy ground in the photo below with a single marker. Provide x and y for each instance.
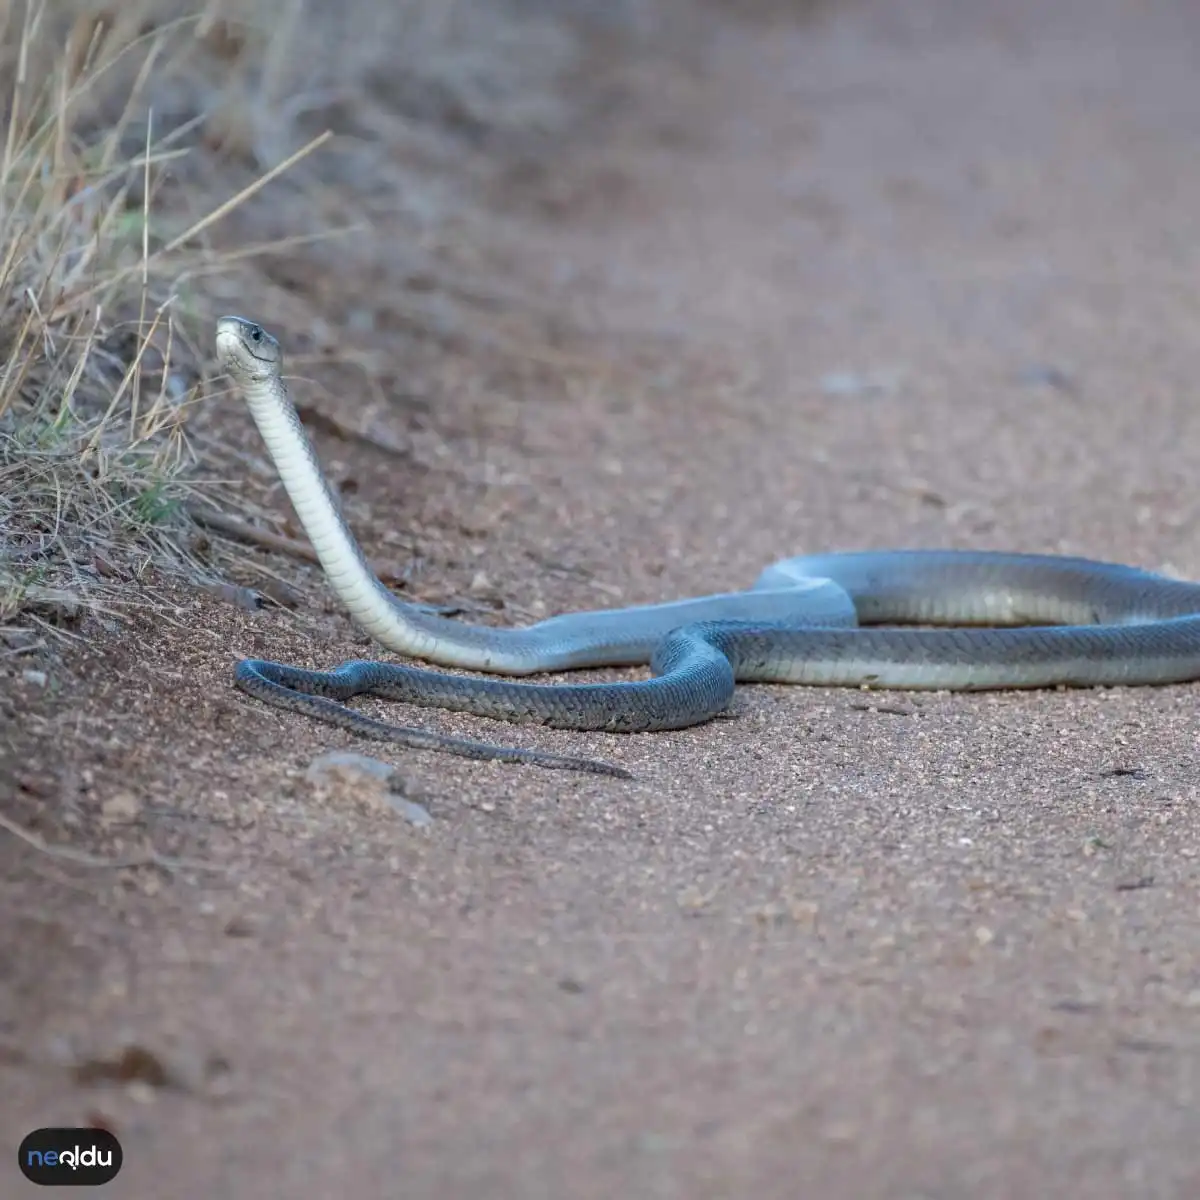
(873, 277)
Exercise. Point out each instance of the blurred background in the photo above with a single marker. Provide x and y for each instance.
(590, 304)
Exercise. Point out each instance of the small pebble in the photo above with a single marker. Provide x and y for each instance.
(243, 597)
(848, 384)
(414, 813)
(347, 764)
(1046, 375)
(361, 320)
(34, 678)
(345, 775)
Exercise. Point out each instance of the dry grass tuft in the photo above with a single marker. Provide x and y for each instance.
(98, 325)
(139, 136)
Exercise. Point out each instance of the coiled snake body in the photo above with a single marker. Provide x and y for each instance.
(1070, 621)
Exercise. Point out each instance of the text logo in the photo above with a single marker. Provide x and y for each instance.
(70, 1157)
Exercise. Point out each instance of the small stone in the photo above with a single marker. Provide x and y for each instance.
(239, 926)
(140, 1092)
(343, 775)
(345, 764)
(851, 384)
(34, 678)
(231, 593)
(414, 813)
(1046, 375)
(360, 320)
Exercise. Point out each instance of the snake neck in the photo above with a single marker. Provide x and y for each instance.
(398, 626)
(599, 637)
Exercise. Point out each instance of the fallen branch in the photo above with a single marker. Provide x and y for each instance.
(243, 531)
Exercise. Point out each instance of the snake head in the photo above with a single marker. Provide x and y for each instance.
(246, 350)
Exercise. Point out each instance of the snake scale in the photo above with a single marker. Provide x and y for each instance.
(1014, 621)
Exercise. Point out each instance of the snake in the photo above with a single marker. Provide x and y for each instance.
(955, 620)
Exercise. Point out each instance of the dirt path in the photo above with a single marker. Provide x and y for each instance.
(866, 279)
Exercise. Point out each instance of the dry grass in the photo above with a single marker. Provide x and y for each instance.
(98, 325)
(155, 173)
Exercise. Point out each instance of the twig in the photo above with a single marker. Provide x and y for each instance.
(895, 710)
(235, 527)
(149, 858)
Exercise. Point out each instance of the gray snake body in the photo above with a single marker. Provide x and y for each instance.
(1070, 621)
